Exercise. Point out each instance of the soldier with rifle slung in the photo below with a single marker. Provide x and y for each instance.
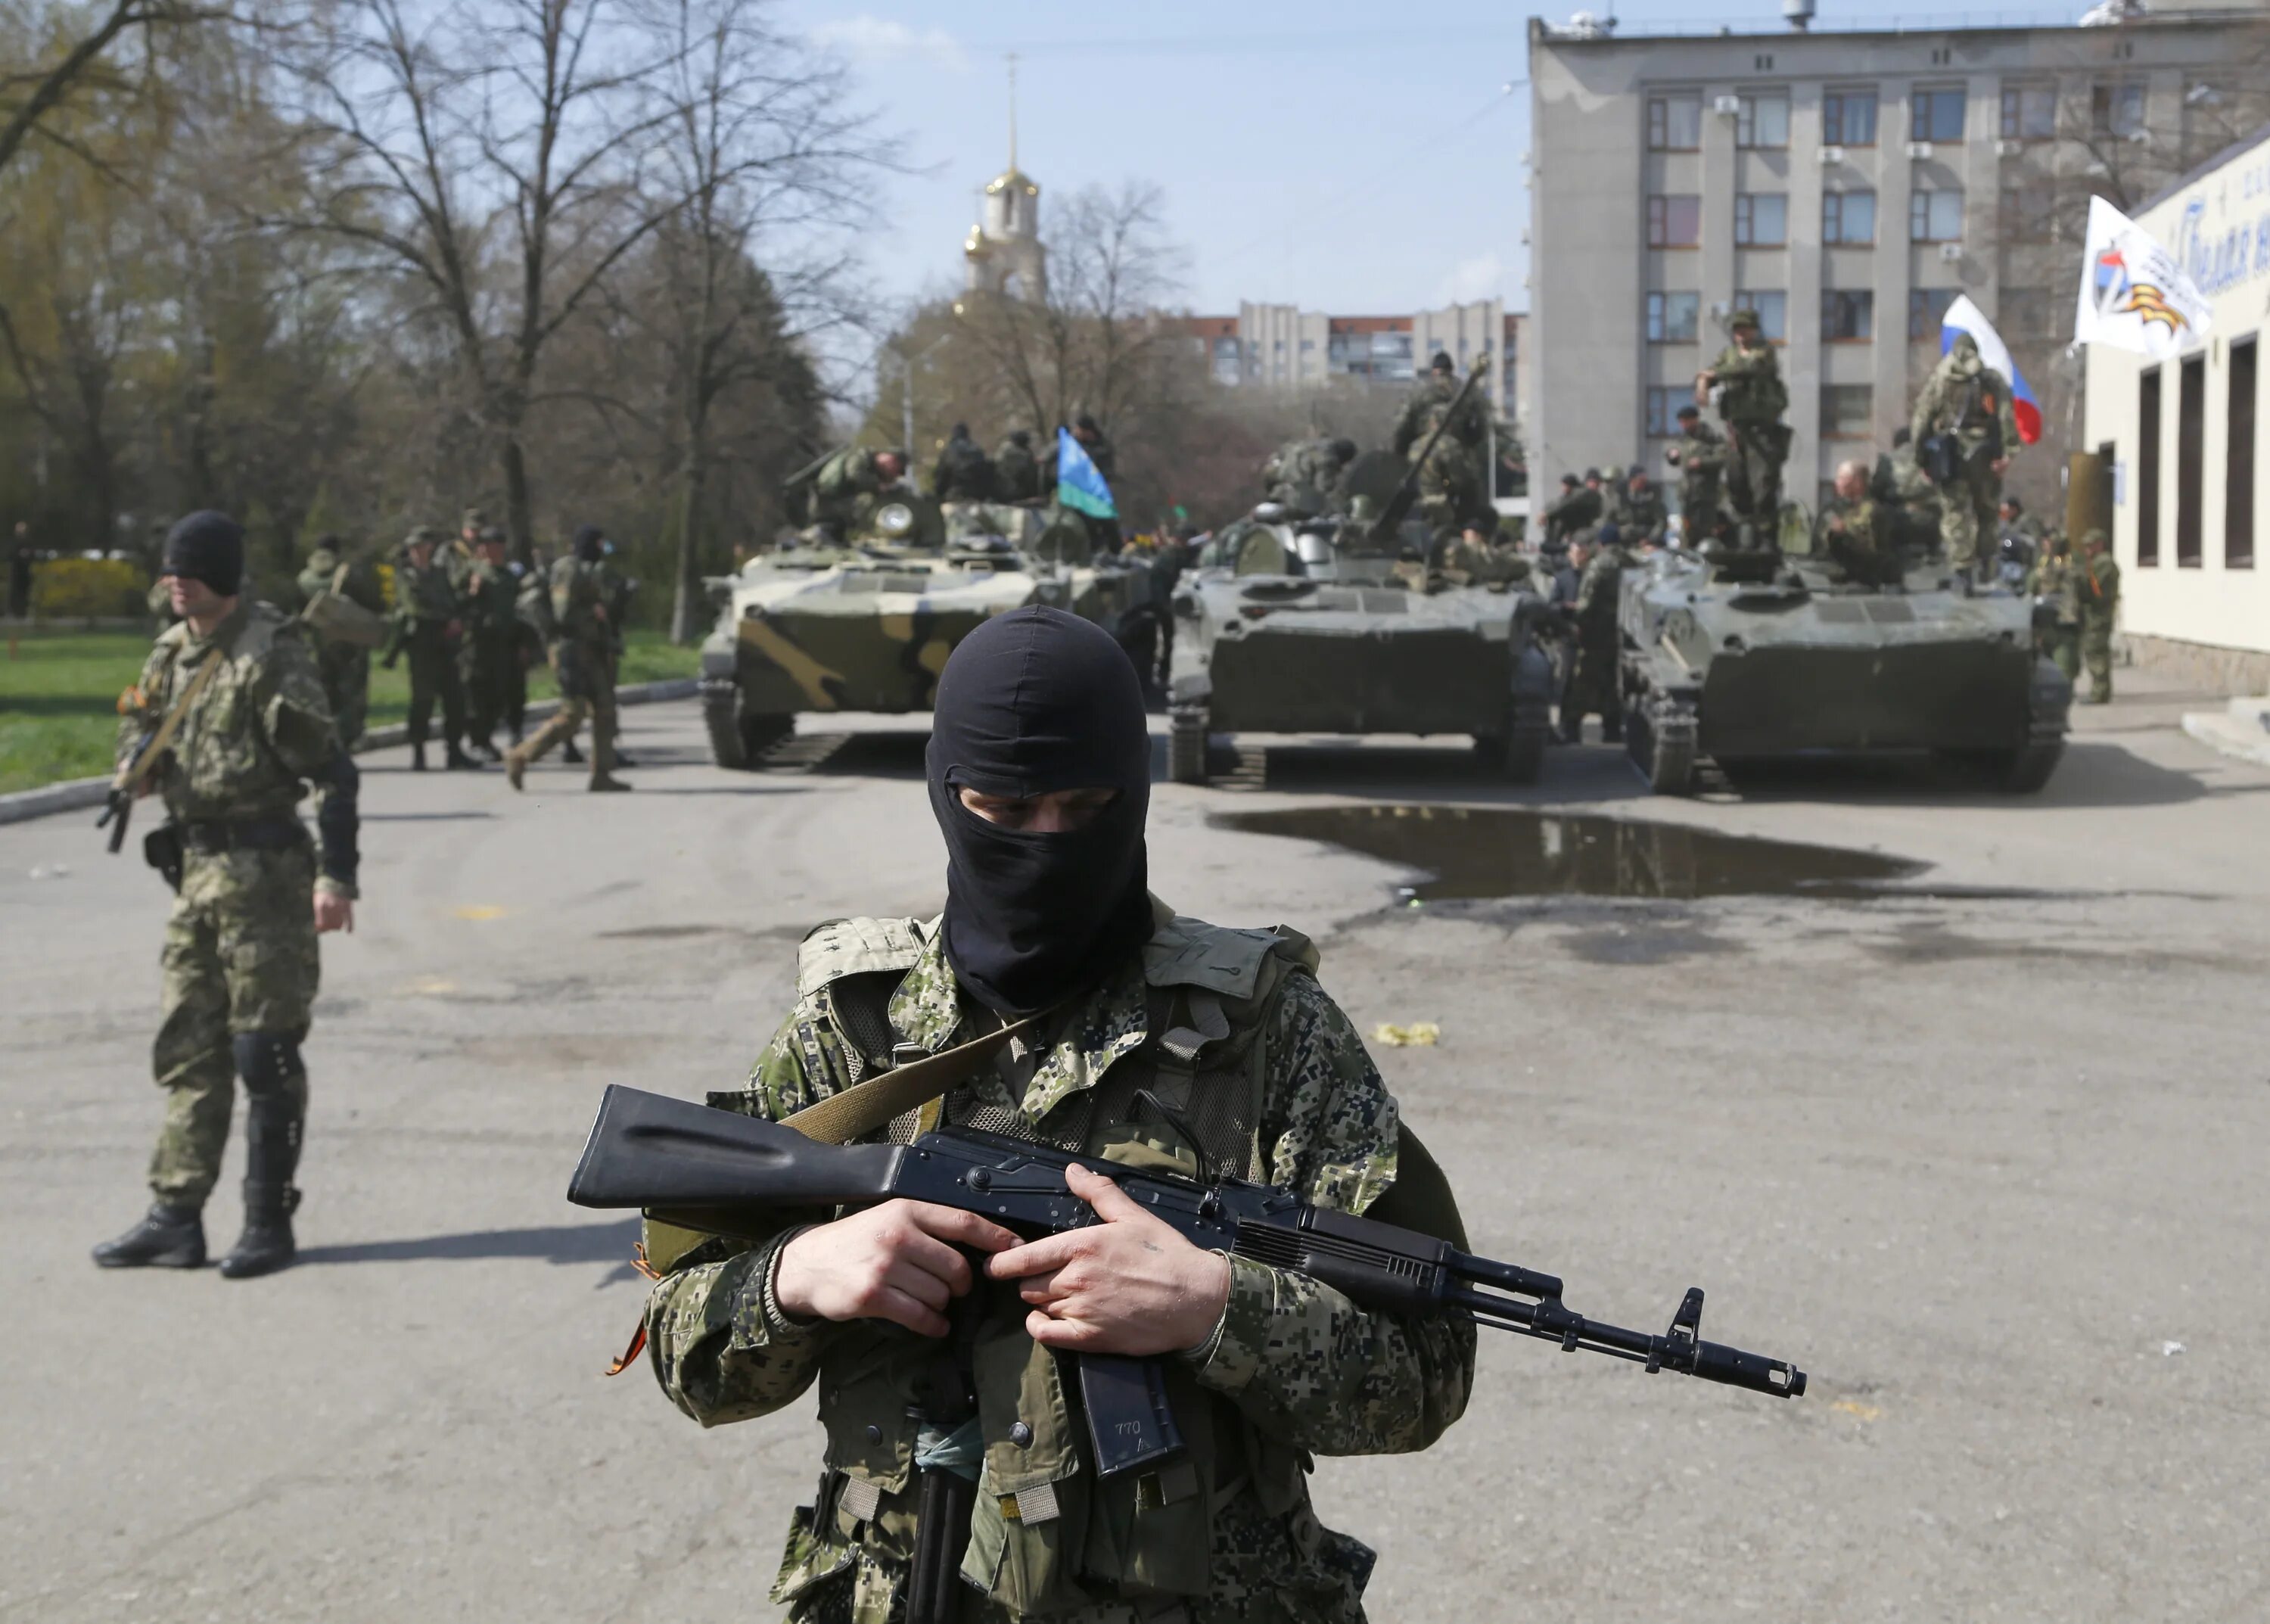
(1965, 429)
(1751, 399)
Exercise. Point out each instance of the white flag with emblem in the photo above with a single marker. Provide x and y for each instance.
(2134, 294)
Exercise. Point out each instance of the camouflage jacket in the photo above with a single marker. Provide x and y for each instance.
(426, 597)
(360, 587)
(2056, 578)
(1597, 592)
(1428, 404)
(1643, 516)
(492, 599)
(259, 733)
(1971, 404)
(1749, 385)
(2097, 585)
(579, 596)
(1581, 507)
(1305, 1367)
(1858, 536)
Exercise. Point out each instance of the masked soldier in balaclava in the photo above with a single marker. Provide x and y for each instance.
(1159, 1041)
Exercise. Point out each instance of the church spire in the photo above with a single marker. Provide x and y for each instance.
(1012, 112)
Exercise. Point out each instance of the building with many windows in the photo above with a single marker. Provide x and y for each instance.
(1280, 346)
(2180, 441)
(1847, 185)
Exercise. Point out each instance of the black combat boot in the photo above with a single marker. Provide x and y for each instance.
(570, 754)
(457, 760)
(170, 1237)
(271, 1152)
(487, 747)
(417, 757)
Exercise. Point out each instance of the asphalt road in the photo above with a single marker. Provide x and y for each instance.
(1988, 1162)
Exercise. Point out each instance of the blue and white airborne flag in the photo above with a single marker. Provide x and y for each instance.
(1080, 483)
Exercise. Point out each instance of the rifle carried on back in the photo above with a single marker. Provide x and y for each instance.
(1407, 494)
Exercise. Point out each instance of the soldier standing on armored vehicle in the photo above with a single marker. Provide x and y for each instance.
(344, 666)
(2055, 581)
(1576, 511)
(1016, 471)
(1450, 484)
(1304, 475)
(1855, 531)
(1965, 430)
(963, 472)
(1700, 458)
(1592, 685)
(1751, 399)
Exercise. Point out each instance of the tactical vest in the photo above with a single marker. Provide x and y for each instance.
(1048, 1535)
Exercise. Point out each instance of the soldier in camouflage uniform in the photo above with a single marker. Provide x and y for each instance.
(1039, 767)
(1016, 471)
(252, 893)
(1969, 401)
(1700, 458)
(428, 621)
(1855, 531)
(1751, 399)
(1577, 509)
(2055, 581)
(1594, 687)
(1641, 517)
(1304, 475)
(489, 656)
(1902, 485)
(583, 662)
(2098, 588)
(1450, 484)
(1477, 557)
(344, 666)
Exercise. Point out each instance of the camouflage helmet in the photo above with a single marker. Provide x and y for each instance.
(1744, 318)
(472, 519)
(421, 536)
(2093, 538)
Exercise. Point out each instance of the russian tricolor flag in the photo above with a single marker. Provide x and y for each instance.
(1963, 316)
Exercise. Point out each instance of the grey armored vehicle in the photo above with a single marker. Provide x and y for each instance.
(867, 624)
(1758, 657)
(1329, 624)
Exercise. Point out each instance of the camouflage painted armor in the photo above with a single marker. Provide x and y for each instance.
(1275, 1083)
(240, 952)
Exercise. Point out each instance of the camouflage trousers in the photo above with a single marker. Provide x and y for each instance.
(240, 956)
(2060, 645)
(433, 676)
(1698, 505)
(1966, 509)
(1755, 454)
(496, 682)
(587, 688)
(2096, 654)
(345, 670)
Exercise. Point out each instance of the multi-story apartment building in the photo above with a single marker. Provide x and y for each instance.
(1848, 185)
(1280, 346)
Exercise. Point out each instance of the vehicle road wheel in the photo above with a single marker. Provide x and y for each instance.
(1660, 740)
(1186, 745)
(721, 715)
(2025, 770)
(1529, 719)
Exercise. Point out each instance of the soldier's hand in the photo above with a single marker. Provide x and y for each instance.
(1128, 1285)
(899, 1261)
(2000, 465)
(334, 912)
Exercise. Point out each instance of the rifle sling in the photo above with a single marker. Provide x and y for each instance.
(130, 776)
(864, 1107)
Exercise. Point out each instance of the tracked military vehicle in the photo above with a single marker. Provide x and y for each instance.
(821, 625)
(1763, 656)
(1328, 624)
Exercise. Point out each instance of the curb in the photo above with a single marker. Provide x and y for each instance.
(78, 794)
(2228, 733)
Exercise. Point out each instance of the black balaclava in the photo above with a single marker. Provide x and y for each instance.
(207, 546)
(590, 544)
(1033, 701)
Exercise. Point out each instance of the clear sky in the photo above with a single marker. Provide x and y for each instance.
(1351, 158)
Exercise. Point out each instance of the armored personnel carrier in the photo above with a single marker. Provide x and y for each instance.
(1328, 623)
(1759, 656)
(867, 624)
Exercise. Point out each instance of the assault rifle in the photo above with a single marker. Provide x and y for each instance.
(722, 1173)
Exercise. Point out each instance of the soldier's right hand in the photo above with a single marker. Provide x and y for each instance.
(897, 1262)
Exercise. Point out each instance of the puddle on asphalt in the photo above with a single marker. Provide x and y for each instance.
(1500, 851)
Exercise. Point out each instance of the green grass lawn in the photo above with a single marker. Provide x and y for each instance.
(59, 696)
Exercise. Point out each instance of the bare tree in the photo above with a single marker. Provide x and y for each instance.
(494, 153)
(32, 93)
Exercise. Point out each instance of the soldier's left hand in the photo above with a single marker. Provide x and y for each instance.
(1128, 1285)
(334, 912)
(2001, 465)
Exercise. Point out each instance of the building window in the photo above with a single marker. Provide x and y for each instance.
(1228, 364)
(1935, 116)
(2027, 212)
(1848, 217)
(1927, 311)
(1763, 120)
(2116, 109)
(1674, 123)
(2148, 469)
(1772, 307)
(1847, 411)
(1663, 411)
(2026, 312)
(1675, 220)
(1760, 219)
(1671, 317)
(2239, 455)
(2028, 112)
(1935, 217)
(1847, 314)
(1848, 118)
(2191, 461)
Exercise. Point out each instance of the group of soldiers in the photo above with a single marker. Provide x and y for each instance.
(840, 494)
